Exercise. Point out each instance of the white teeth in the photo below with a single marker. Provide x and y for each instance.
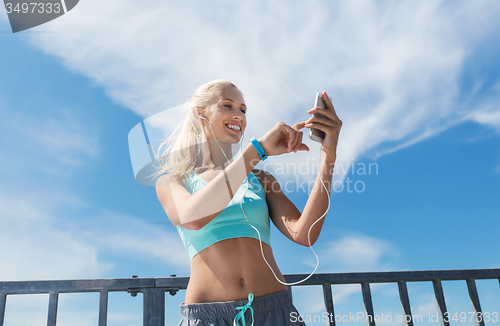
(233, 127)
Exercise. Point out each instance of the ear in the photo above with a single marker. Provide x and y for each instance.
(196, 113)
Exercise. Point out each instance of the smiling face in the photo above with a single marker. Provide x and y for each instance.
(226, 111)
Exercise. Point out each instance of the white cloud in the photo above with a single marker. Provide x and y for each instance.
(34, 149)
(135, 239)
(37, 153)
(37, 242)
(309, 299)
(350, 253)
(73, 309)
(489, 116)
(32, 247)
(37, 144)
(40, 238)
(391, 68)
(360, 253)
(426, 305)
(26, 310)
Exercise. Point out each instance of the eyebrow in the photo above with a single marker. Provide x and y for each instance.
(228, 99)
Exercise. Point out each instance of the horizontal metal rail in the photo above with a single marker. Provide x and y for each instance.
(154, 289)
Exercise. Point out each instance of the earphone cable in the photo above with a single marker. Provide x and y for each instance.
(260, 239)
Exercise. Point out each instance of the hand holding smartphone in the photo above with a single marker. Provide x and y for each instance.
(315, 134)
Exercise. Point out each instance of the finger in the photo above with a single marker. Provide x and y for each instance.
(325, 112)
(303, 147)
(294, 140)
(299, 125)
(297, 141)
(290, 133)
(325, 117)
(328, 103)
(319, 126)
(323, 120)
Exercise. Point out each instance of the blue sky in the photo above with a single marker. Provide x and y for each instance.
(416, 84)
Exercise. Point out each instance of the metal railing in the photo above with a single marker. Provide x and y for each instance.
(154, 289)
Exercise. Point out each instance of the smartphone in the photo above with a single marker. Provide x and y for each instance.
(315, 134)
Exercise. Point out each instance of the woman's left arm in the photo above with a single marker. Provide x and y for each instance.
(284, 214)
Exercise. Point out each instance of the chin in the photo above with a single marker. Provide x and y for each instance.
(231, 140)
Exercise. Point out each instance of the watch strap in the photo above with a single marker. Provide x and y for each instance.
(259, 148)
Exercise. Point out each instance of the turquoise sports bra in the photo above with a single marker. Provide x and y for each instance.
(231, 222)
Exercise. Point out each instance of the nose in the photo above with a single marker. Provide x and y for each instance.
(238, 114)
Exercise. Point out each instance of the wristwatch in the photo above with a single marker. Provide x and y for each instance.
(259, 148)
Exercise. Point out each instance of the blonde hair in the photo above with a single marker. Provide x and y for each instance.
(180, 157)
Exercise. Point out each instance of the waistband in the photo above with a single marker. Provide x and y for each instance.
(260, 304)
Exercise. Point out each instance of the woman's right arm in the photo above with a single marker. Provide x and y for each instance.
(196, 210)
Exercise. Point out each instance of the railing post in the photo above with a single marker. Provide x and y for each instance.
(438, 291)
(474, 300)
(328, 297)
(52, 317)
(154, 307)
(3, 300)
(405, 302)
(103, 308)
(367, 300)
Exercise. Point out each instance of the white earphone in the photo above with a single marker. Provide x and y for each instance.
(260, 239)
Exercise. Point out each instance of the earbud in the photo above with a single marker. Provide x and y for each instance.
(202, 117)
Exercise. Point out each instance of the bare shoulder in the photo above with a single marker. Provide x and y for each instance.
(171, 190)
(167, 185)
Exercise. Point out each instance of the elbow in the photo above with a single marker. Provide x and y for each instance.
(305, 241)
(302, 236)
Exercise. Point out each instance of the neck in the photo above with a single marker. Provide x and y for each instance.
(211, 155)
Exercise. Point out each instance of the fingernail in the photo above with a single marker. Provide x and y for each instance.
(309, 110)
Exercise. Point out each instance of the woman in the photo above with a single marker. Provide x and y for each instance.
(217, 210)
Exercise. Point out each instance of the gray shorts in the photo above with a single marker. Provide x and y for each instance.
(275, 309)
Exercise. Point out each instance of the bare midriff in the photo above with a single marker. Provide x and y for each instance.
(230, 269)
